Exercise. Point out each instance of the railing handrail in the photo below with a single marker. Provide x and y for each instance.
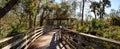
(8, 38)
(27, 36)
(92, 36)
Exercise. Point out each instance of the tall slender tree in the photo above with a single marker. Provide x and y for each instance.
(83, 5)
(74, 5)
(104, 3)
(32, 10)
(94, 8)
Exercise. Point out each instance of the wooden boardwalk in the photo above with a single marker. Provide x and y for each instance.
(49, 41)
(63, 38)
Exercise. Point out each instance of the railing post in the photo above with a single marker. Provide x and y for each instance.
(60, 33)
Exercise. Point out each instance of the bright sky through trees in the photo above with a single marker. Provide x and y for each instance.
(115, 4)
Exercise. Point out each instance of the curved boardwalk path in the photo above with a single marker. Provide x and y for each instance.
(49, 41)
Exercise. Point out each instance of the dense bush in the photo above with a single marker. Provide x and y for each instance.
(115, 20)
(103, 28)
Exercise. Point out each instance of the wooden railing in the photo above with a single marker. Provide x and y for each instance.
(77, 40)
(21, 41)
(74, 39)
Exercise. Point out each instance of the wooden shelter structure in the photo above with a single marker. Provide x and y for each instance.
(66, 22)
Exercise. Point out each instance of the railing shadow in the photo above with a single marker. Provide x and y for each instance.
(56, 42)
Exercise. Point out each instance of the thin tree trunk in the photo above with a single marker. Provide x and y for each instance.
(82, 12)
(35, 21)
(102, 13)
(41, 18)
(30, 21)
(95, 15)
(7, 7)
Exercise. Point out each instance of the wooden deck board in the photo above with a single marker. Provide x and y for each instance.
(48, 41)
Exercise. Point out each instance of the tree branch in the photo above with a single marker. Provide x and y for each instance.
(7, 7)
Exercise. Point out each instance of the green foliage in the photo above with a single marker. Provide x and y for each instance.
(81, 29)
(112, 32)
(94, 8)
(89, 47)
(95, 24)
(18, 23)
(32, 7)
(115, 20)
(92, 26)
(98, 8)
(15, 30)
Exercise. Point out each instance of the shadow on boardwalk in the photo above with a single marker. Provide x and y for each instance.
(50, 40)
(56, 42)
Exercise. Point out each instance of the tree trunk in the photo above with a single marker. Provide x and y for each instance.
(95, 15)
(35, 21)
(7, 7)
(82, 12)
(41, 18)
(30, 21)
(102, 12)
